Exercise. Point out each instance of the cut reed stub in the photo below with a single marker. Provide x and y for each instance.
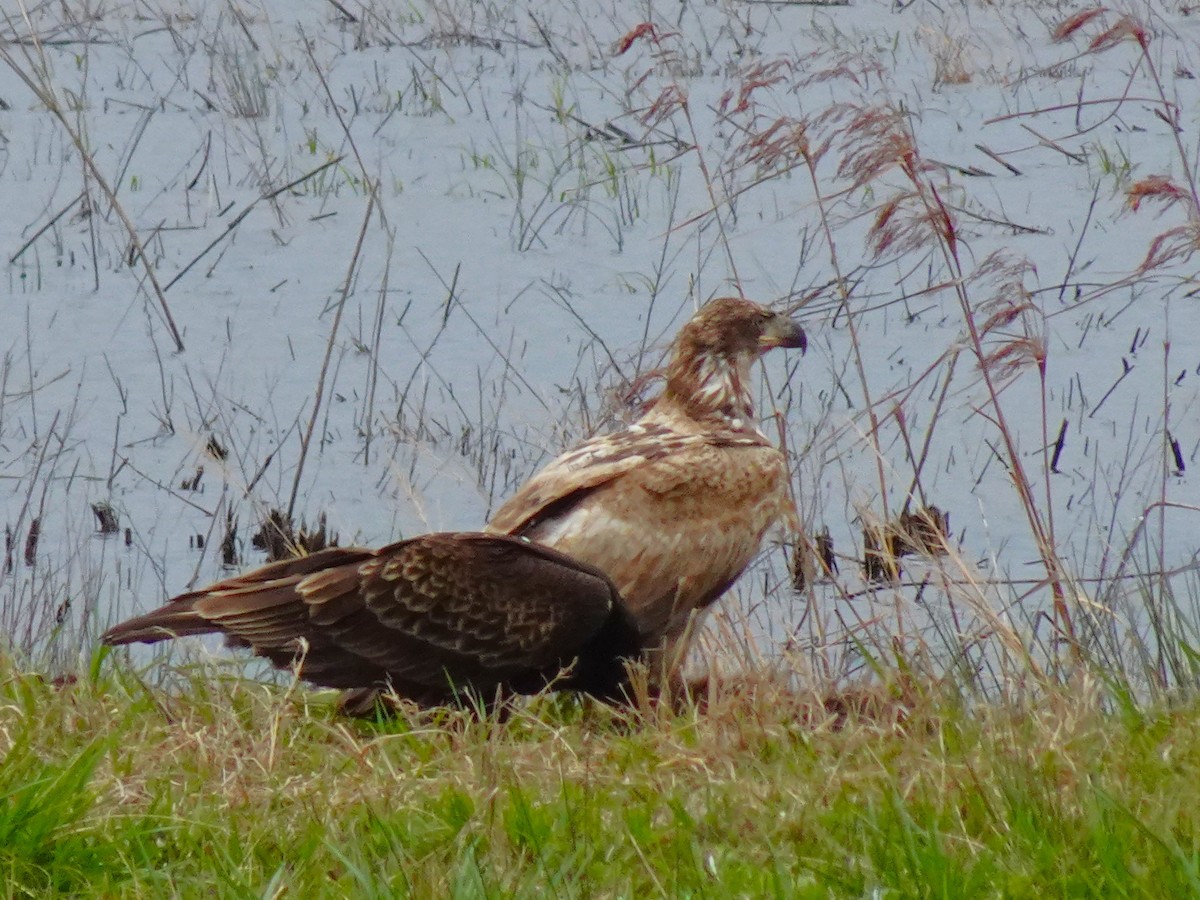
(801, 564)
(106, 518)
(1059, 443)
(192, 484)
(880, 560)
(282, 539)
(1176, 454)
(807, 556)
(924, 531)
(825, 552)
(215, 448)
(229, 551)
(31, 541)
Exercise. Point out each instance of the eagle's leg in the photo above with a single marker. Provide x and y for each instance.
(665, 664)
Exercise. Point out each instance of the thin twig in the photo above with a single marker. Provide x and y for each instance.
(50, 224)
(997, 158)
(333, 330)
(237, 220)
(1058, 107)
(1087, 220)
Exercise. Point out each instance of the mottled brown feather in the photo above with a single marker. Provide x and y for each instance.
(437, 613)
(674, 507)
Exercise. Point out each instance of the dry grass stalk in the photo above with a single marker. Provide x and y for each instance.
(761, 74)
(1175, 245)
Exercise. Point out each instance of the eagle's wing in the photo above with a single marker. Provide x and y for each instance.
(565, 481)
(457, 609)
(671, 517)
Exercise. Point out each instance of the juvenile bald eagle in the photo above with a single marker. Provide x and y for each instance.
(674, 507)
(614, 550)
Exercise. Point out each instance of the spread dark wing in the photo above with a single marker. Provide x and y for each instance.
(463, 609)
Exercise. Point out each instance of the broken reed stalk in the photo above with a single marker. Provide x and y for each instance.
(376, 338)
(372, 188)
(46, 226)
(37, 469)
(232, 225)
(306, 438)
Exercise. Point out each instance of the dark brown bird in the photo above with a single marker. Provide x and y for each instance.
(616, 549)
(439, 617)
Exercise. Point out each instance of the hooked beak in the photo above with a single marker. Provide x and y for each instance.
(783, 332)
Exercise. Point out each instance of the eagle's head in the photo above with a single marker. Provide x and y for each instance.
(732, 327)
(708, 375)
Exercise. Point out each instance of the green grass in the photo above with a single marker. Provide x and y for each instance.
(235, 788)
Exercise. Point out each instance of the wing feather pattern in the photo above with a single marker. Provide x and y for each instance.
(429, 615)
(673, 529)
(574, 476)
